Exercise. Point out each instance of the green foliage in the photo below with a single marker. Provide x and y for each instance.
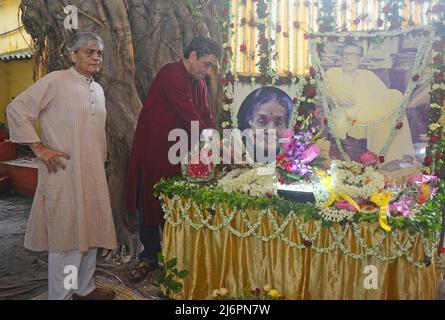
(427, 220)
(3, 126)
(168, 280)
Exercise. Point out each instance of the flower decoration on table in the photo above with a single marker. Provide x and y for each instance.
(199, 164)
(296, 159)
(259, 180)
(357, 188)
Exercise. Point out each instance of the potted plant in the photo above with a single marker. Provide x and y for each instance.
(3, 131)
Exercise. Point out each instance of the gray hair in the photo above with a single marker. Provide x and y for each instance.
(82, 38)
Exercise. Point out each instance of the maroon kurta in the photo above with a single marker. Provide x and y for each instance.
(174, 100)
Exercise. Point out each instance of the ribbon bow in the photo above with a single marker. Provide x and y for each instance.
(326, 182)
(382, 199)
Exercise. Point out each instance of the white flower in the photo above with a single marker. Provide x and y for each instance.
(435, 86)
(312, 81)
(303, 98)
(226, 107)
(435, 105)
(310, 100)
(434, 126)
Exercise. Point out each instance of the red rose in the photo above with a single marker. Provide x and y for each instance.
(296, 25)
(243, 48)
(434, 138)
(243, 21)
(438, 155)
(325, 122)
(223, 81)
(381, 159)
(307, 243)
(228, 48)
(269, 195)
(428, 160)
(278, 29)
(281, 180)
(438, 59)
(232, 25)
(297, 126)
(227, 100)
(262, 39)
(252, 23)
(438, 96)
(300, 110)
(310, 90)
(225, 11)
(295, 100)
(416, 77)
(225, 59)
(399, 125)
(263, 79)
(312, 71)
(285, 34)
(439, 78)
(225, 37)
(306, 36)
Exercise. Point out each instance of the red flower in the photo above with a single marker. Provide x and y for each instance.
(439, 78)
(243, 21)
(381, 159)
(428, 160)
(225, 59)
(223, 81)
(325, 122)
(434, 138)
(228, 48)
(225, 11)
(356, 21)
(306, 36)
(285, 34)
(312, 71)
(227, 100)
(232, 25)
(310, 90)
(252, 23)
(295, 100)
(438, 155)
(225, 37)
(438, 59)
(300, 110)
(243, 48)
(438, 96)
(399, 125)
(269, 195)
(307, 243)
(278, 29)
(281, 180)
(296, 25)
(297, 126)
(416, 77)
(263, 79)
(262, 39)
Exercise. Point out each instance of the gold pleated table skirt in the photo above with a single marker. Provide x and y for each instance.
(244, 250)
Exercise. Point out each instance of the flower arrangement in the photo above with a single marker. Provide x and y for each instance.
(355, 187)
(265, 293)
(258, 181)
(298, 154)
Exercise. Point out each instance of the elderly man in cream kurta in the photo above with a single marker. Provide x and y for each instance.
(71, 213)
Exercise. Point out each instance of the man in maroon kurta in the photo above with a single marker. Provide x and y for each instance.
(177, 97)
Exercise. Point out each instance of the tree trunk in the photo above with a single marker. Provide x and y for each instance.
(140, 36)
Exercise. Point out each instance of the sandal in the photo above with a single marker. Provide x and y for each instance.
(141, 271)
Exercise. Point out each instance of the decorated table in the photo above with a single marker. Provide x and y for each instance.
(241, 242)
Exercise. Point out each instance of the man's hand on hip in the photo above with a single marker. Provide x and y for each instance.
(49, 157)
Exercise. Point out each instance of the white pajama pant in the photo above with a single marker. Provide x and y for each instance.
(71, 272)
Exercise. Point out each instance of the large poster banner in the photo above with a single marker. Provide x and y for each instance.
(373, 97)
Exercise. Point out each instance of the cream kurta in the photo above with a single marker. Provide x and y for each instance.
(71, 208)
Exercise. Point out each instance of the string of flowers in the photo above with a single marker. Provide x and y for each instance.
(186, 209)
